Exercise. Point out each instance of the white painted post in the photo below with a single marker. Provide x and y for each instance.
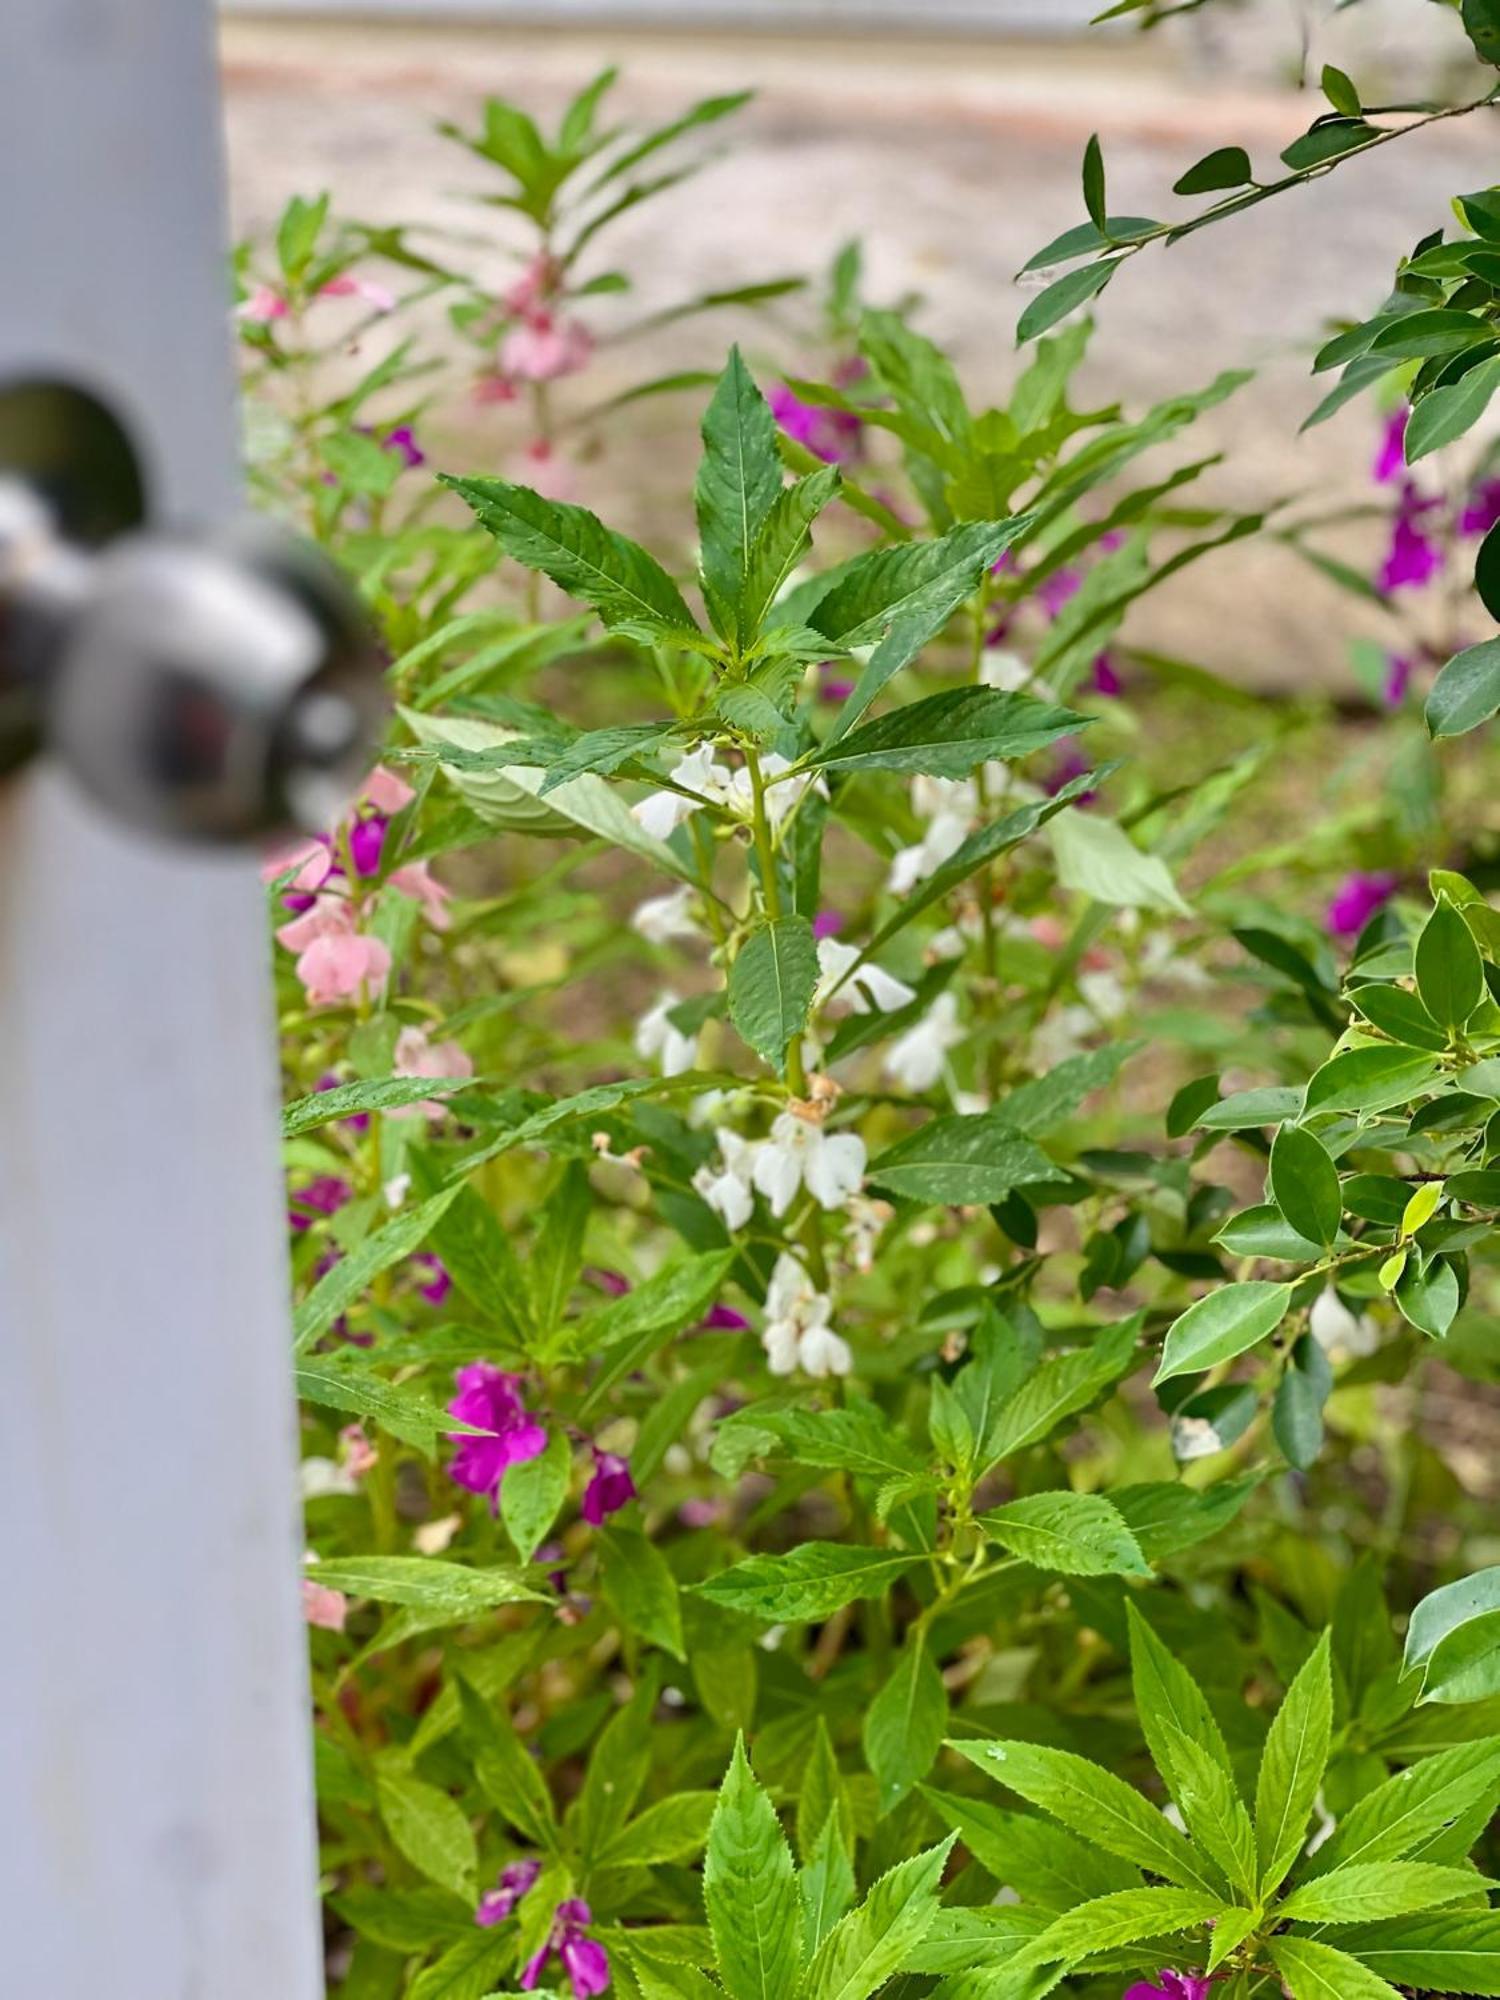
(156, 1830)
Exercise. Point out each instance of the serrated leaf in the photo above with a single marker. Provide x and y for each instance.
(429, 1828)
(1222, 1325)
(771, 986)
(1291, 1767)
(350, 1100)
(1455, 1952)
(1313, 1971)
(905, 1723)
(1039, 1861)
(782, 543)
(825, 1884)
(949, 735)
(1399, 1816)
(1126, 1917)
(1059, 1388)
(871, 1944)
(739, 478)
(508, 1775)
(351, 1276)
(532, 1494)
(807, 1583)
(750, 1891)
(1075, 1534)
(1378, 1889)
(1167, 1698)
(359, 1391)
(640, 1589)
(426, 1583)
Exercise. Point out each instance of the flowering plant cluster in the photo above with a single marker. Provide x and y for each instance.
(870, 1262)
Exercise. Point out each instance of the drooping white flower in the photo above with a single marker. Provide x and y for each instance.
(1339, 1332)
(727, 1187)
(868, 990)
(799, 1153)
(660, 919)
(656, 1036)
(797, 1333)
(661, 813)
(1011, 674)
(915, 1060)
(950, 806)
(323, 1477)
(867, 1219)
(779, 798)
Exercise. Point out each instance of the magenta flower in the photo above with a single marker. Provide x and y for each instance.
(833, 685)
(613, 1282)
(1398, 673)
(1054, 591)
(366, 839)
(1482, 508)
(1413, 558)
(1104, 676)
(1359, 896)
(436, 1284)
(496, 1904)
(827, 924)
(323, 1196)
(610, 1489)
(403, 439)
(1390, 457)
(1068, 764)
(832, 435)
(490, 1400)
(1170, 1985)
(585, 1961)
(723, 1319)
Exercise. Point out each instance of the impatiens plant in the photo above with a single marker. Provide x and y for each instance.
(892, 1239)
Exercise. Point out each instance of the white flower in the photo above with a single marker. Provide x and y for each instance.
(1011, 674)
(950, 807)
(867, 1218)
(1194, 1437)
(915, 1060)
(396, 1190)
(322, 1477)
(1339, 1332)
(779, 798)
(656, 1036)
(868, 990)
(661, 813)
(797, 1333)
(1104, 992)
(660, 919)
(727, 1189)
(799, 1153)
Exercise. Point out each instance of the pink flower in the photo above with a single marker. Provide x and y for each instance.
(1171, 1986)
(1104, 676)
(384, 792)
(494, 388)
(1398, 673)
(437, 1284)
(263, 305)
(517, 1879)
(585, 1961)
(832, 435)
(610, 1488)
(1413, 558)
(403, 441)
(1054, 591)
(322, 1606)
(335, 961)
(324, 1196)
(1390, 456)
(380, 298)
(1359, 896)
(543, 348)
(312, 860)
(538, 282)
(416, 880)
(417, 1056)
(490, 1400)
(1482, 508)
(358, 1454)
(724, 1319)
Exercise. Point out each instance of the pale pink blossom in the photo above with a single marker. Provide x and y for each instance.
(263, 305)
(543, 348)
(322, 1606)
(335, 961)
(537, 283)
(328, 915)
(417, 1055)
(312, 859)
(385, 792)
(415, 879)
(379, 298)
(356, 1451)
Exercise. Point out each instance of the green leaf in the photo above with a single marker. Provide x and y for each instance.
(347, 1100)
(965, 1157)
(352, 1276)
(1487, 574)
(426, 1584)
(476, 1253)
(1095, 1803)
(1126, 1917)
(468, 1970)
(1340, 91)
(1450, 972)
(1292, 1765)
(1263, 1231)
(429, 1828)
(857, 1438)
(1305, 1183)
(1213, 1809)
(674, 1829)
(949, 735)
(1445, 413)
(297, 231)
(1093, 185)
(1445, 1612)
(1096, 857)
(640, 1589)
(628, 588)
(1060, 1388)
(1222, 1325)
(1062, 296)
(1366, 1080)
(1481, 19)
(1464, 1665)
(739, 479)
(1297, 1414)
(1404, 1813)
(1401, 1015)
(1455, 1952)
(342, 1385)
(771, 986)
(1076, 1534)
(1313, 1971)
(1036, 1859)
(750, 1891)
(782, 543)
(808, 1583)
(1466, 692)
(825, 1884)
(601, 751)
(1225, 167)
(1169, 1703)
(1167, 1517)
(905, 1723)
(874, 1941)
(1364, 1894)
(508, 1775)
(532, 1493)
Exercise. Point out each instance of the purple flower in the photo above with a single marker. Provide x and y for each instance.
(699, 1513)
(613, 1282)
(1359, 896)
(438, 1284)
(1481, 509)
(1054, 591)
(832, 435)
(1390, 458)
(1170, 1985)
(323, 1196)
(403, 440)
(515, 1880)
(833, 685)
(366, 839)
(585, 1961)
(723, 1319)
(1413, 558)
(1104, 676)
(826, 924)
(1069, 763)
(490, 1400)
(610, 1489)
(1398, 673)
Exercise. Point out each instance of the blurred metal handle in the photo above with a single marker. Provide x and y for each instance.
(156, 1807)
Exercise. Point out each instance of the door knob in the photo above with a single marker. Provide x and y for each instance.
(212, 689)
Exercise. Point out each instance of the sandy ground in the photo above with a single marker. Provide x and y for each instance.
(954, 161)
